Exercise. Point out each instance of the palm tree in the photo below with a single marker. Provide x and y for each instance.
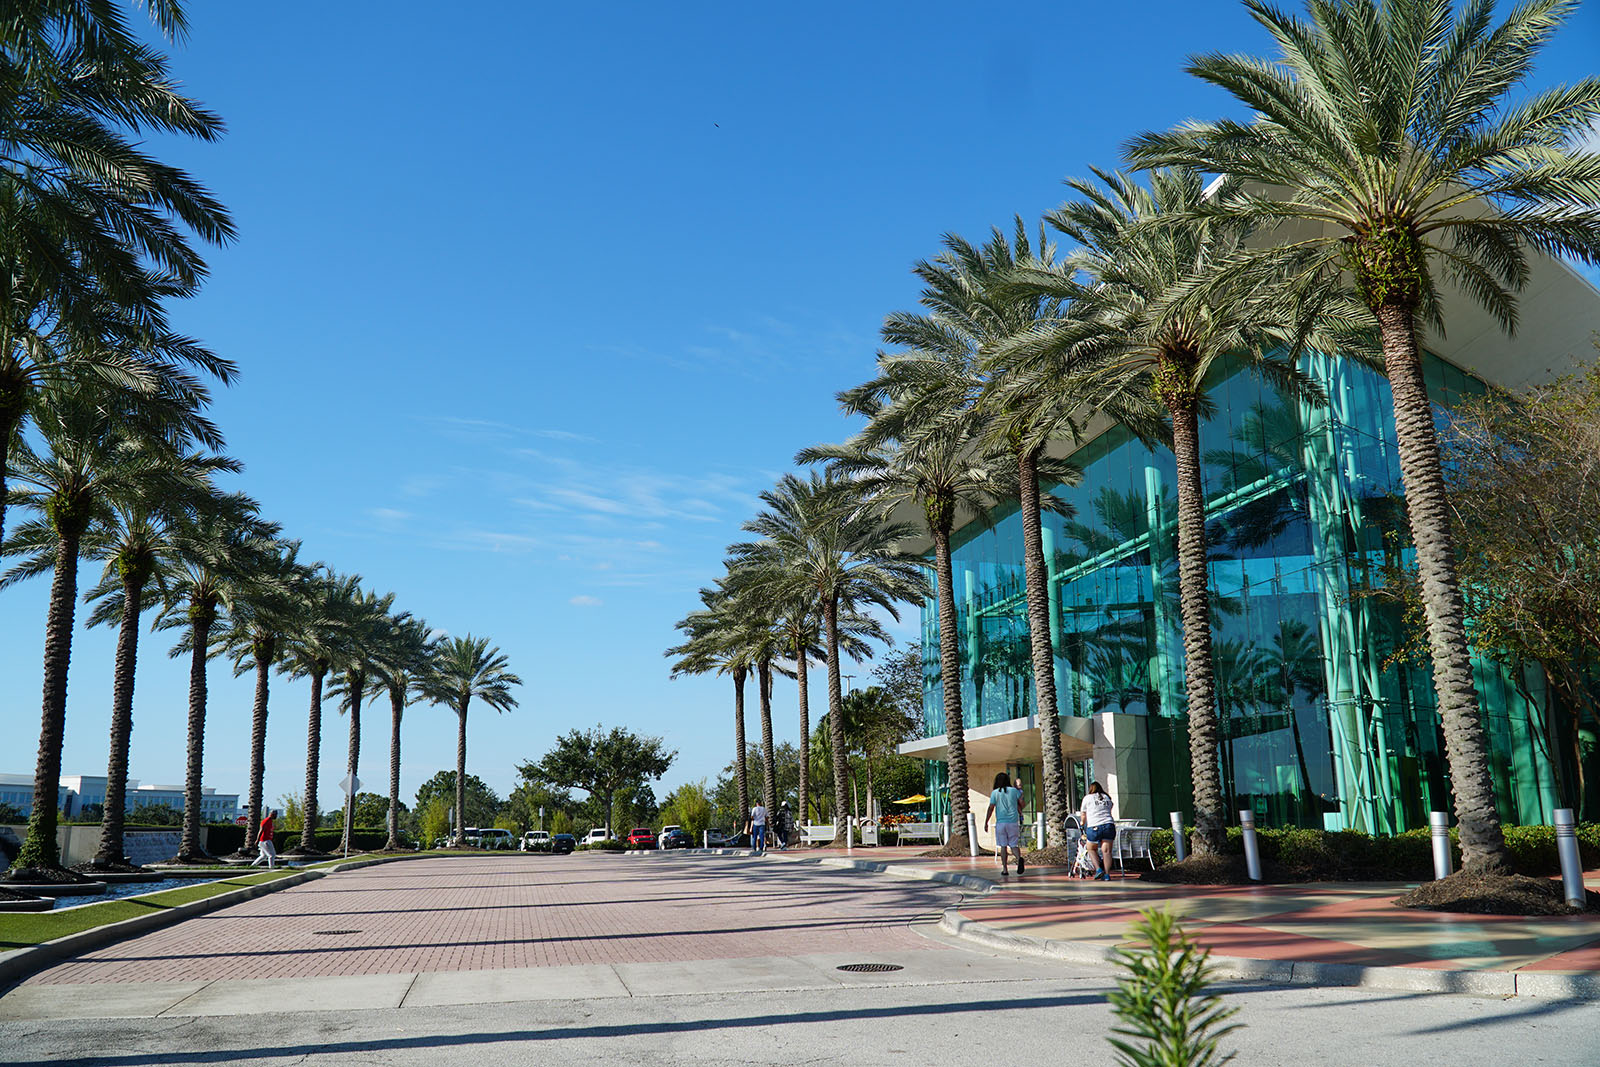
(463, 668)
(137, 541)
(308, 652)
(710, 646)
(219, 547)
(363, 618)
(936, 465)
(403, 660)
(96, 452)
(846, 559)
(1389, 128)
(264, 608)
(1142, 251)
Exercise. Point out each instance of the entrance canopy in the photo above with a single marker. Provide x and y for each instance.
(1012, 741)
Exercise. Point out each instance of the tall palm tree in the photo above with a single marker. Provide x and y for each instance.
(363, 621)
(938, 466)
(222, 544)
(847, 559)
(94, 453)
(1390, 128)
(710, 646)
(1142, 249)
(404, 658)
(265, 607)
(308, 652)
(463, 668)
(137, 541)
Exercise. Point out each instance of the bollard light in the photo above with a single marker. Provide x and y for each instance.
(1252, 850)
(1179, 845)
(1567, 850)
(1439, 830)
(972, 833)
(1038, 830)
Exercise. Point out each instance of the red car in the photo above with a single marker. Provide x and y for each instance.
(642, 837)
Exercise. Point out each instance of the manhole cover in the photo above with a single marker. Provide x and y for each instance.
(870, 968)
(328, 932)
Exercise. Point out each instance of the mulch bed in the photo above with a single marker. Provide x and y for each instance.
(7, 893)
(1206, 870)
(92, 868)
(1060, 856)
(46, 876)
(1495, 894)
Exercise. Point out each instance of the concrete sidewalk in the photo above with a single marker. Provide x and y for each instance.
(1344, 933)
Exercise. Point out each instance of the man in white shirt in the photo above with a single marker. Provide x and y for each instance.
(758, 827)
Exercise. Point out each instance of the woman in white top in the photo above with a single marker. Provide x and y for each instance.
(1099, 829)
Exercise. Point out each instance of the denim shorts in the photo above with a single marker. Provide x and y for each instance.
(1108, 832)
(1007, 835)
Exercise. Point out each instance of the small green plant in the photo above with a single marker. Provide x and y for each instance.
(1163, 1003)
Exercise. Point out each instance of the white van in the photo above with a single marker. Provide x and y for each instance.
(599, 833)
(492, 837)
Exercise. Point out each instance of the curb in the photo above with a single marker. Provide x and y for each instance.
(20, 962)
(1298, 972)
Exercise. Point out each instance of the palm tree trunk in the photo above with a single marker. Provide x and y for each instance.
(739, 776)
(1483, 846)
(358, 692)
(13, 405)
(805, 733)
(1044, 665)
(39, 849)
(114, 816)
(1195, 610)
(836, 739)
(397, 703)
(950, 684)
(461, 771)
(201, 616)
(308, 832)
(264, 652)
(769, 763)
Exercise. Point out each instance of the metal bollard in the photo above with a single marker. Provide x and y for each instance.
(1038, 830)
(972, 834)
(1252, 850)
(1567, 850)
(944, 828)
(1179, 845)
(1439, 830)
(705, 838)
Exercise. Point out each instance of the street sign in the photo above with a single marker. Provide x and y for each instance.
(350, 784)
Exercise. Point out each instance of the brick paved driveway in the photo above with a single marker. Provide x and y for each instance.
(477, 913)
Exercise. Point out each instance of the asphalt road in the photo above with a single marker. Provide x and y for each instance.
(728, 1004)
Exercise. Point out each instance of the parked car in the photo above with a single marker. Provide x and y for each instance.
(716, 838)
(642, 837)
(662, 836)
(598, 834)
(563, 844)
(676, 837)
(536, 841)
(492, 837)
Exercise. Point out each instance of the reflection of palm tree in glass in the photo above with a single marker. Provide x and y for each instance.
(1297, 662)
(1119, 676)
(1271, 434)
(1241, 670)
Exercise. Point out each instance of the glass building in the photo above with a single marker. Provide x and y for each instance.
(1323, 721)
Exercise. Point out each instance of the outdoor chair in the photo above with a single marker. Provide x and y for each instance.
(1133, 843)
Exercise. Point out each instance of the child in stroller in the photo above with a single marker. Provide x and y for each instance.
(1082, 865)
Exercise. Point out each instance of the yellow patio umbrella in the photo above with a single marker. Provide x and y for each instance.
(918, 799)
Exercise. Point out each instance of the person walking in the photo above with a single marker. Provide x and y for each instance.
(758, 827)
(1005, 807)
(266, 850)
(1099, 829)
(782, 823)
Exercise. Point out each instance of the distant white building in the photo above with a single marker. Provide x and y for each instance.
(78, 790)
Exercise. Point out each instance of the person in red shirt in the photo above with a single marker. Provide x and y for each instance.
(268, 851)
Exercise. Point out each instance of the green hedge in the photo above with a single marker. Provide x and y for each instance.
(1349, 855)
(609, 845)
(225, 838)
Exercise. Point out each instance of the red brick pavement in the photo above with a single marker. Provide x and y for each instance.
(458, 914)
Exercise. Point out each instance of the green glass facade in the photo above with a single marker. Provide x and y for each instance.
(1321, 725)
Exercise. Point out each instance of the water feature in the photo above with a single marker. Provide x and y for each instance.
(150, 846)
(131, 889)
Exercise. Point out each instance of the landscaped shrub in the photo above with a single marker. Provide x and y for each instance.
(610, 844)
(1296, 854)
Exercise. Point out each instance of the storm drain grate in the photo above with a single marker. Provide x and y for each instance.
(869, 968)
(331, 932)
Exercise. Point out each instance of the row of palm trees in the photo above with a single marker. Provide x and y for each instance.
(105, 447)
(1385, 159)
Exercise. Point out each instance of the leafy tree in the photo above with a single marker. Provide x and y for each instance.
(603, 763)
(368, 809)
(526, 800)
(689, 806)
(291, 812)
(433, 818)
(1397, 159)
(155, 815)
(463, 668)
(482, 803)
(10, 814)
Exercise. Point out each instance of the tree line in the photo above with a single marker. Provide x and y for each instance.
(109, 456)
(1391, 153)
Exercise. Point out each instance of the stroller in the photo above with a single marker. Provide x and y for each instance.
(1082, 865)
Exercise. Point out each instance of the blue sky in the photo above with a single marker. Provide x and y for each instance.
(531, 303)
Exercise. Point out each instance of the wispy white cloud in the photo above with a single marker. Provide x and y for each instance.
(586, 601)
